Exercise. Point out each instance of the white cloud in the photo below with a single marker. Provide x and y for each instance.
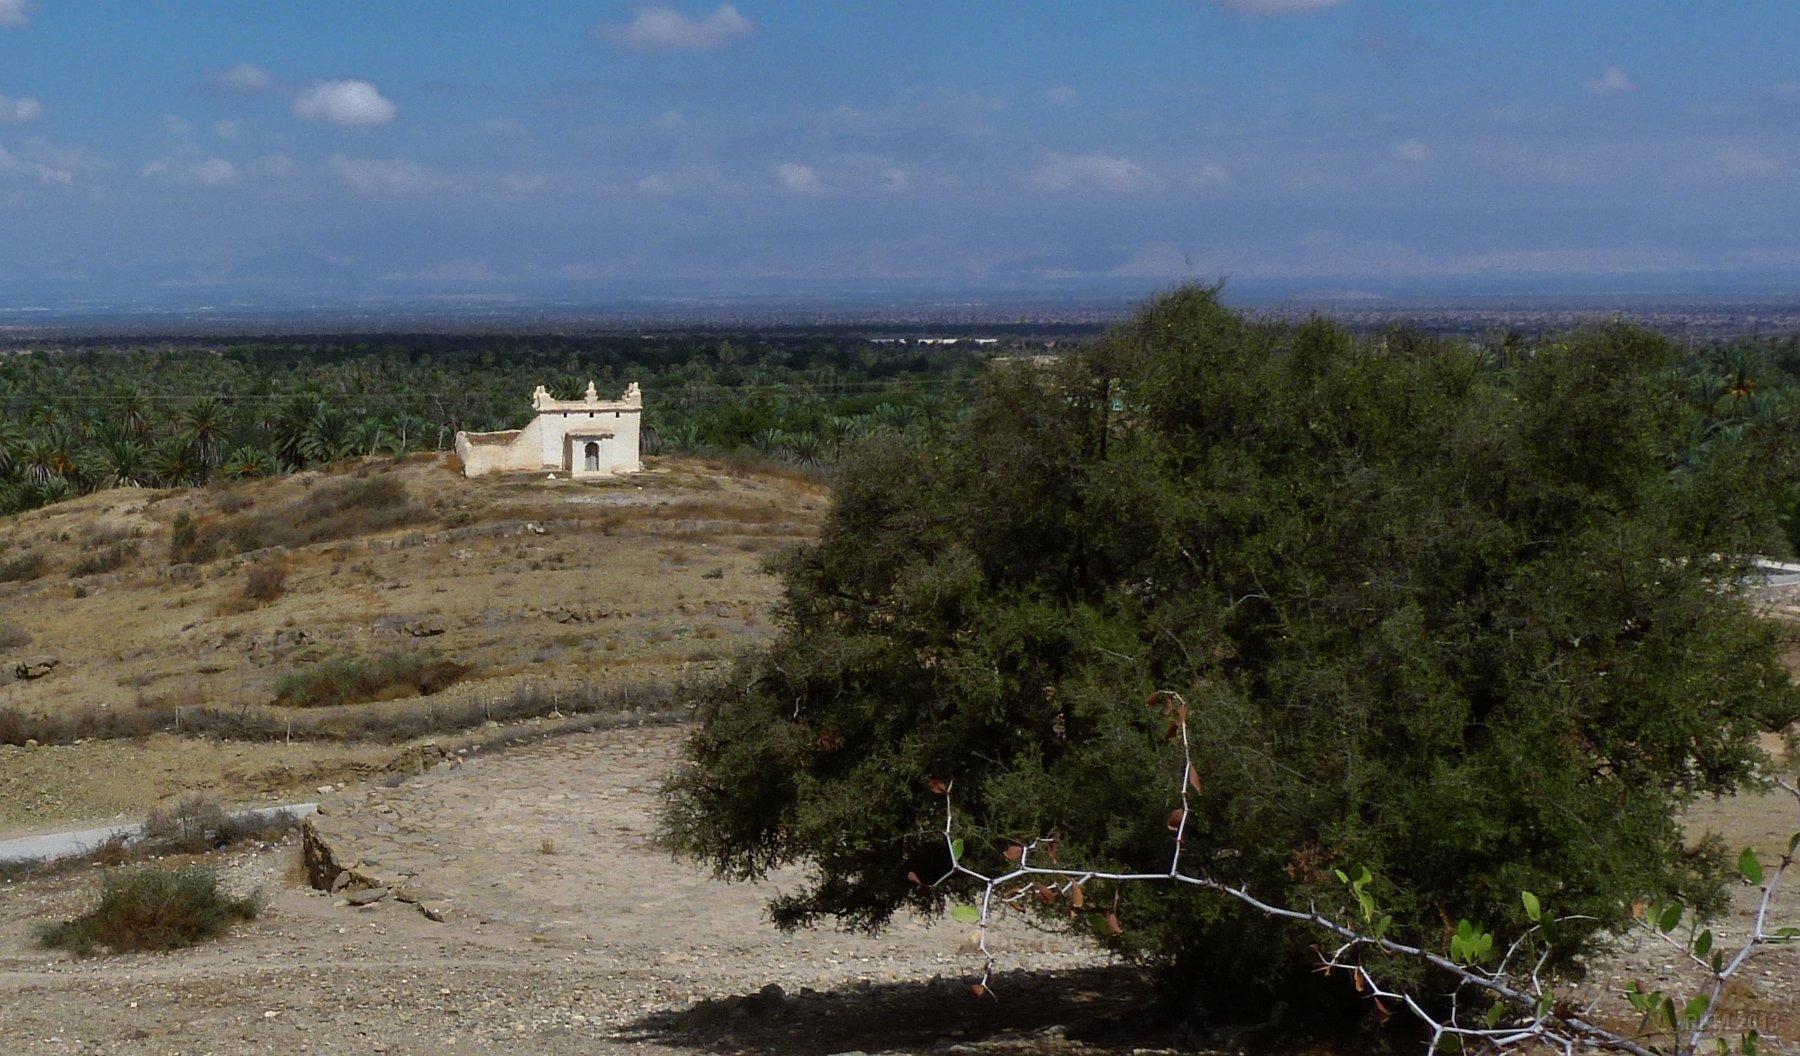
(211, 172)
(13, 165)
(381, 175)
(1412, 151)
(1210, 177)
(344, 103)
(1748, 161)
(216, 172)
(20, 110)
(685, 181)
(244, 78)
(274, 166)
(227, 129)
(178, 125)
(1088, 172)
(1276, 7)
(1521, 114)
(963, 113)
(663, 28)
(15, 13)
(504, 126)
(1062, 95)
(1612, 81)
(800, 179)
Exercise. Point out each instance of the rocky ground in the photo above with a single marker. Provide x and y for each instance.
(563, 930)
(538, 585)
(522, 907)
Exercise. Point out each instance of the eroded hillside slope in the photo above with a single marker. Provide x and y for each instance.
(360, 609)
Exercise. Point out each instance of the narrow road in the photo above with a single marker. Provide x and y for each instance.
(81, 841)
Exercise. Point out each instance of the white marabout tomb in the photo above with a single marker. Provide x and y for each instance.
(589, 437)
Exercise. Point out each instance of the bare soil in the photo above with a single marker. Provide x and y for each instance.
(565, 929)
(551, 584)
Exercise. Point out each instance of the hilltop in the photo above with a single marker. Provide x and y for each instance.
(278, 635)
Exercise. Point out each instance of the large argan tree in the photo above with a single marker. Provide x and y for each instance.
(1473, 621)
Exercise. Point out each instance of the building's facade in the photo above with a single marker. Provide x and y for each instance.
(589, 437)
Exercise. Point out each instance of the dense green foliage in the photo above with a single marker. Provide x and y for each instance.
(1470, 619)
(76, 419)
(151, 907)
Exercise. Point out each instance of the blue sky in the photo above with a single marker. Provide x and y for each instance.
(289, 151)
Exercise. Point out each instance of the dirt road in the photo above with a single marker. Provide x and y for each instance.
(566, 931)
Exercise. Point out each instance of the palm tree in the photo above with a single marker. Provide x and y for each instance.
(291, 426)
(203, 424)
(804, 448)
(767, 441)
(12, 442)
(248, 460)
(38, 460)
(176, 462)
(130, 412)
(329, 436)
(123, 462)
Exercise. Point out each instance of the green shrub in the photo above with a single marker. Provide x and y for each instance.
(356, 680)
(150, 908)
(1471, 624)
(187, 544)
(110, 559)
(24, 568)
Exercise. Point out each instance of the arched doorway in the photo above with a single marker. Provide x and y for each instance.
(591, 457)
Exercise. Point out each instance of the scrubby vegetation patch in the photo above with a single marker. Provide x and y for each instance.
(359, 680)
(151, 908)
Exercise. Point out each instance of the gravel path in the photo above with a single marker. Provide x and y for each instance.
(592, 942)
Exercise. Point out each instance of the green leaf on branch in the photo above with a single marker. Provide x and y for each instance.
(1696, 1007)
(1532, 909)
(1703, 944)
(1470, 945)
(1670, 917)
(956, 850)
(1495, 1013)
(1749, 867)
(965, 914)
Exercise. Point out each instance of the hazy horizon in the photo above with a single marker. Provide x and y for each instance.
(183, 154)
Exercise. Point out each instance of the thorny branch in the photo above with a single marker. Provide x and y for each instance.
(1530, 1014)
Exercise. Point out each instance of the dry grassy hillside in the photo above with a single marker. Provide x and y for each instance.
(359, 609)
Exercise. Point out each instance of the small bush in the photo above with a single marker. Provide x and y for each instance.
(196, 823)
(264, 581)
(22, 569)
(357, 680)
(187, 544)
(151, 908)
(12, 635)
(110, 559)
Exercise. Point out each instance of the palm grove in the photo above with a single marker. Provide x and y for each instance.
(92, 416)
(1469, 618)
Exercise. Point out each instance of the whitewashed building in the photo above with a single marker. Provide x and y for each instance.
(589, 437)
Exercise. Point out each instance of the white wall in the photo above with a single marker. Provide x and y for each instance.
(544, 445)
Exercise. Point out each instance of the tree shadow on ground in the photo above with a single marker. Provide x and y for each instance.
(1105, 1008)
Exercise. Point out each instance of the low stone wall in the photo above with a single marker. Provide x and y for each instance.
(511, 451)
